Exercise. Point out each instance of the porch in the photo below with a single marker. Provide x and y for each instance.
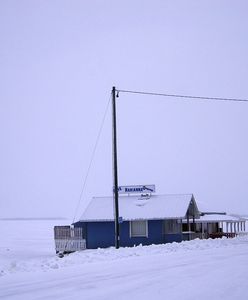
(68, 239)
(213, 226)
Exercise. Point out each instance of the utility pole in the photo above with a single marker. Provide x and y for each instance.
(115, 171)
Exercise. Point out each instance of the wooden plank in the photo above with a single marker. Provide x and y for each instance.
(61, 232)
(67, 232)
(69, 239)
(70, 245)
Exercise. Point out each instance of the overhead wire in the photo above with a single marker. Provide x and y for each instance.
(91, 159)
(118, 91)
(182, 96)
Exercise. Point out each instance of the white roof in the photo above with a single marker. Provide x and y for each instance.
(218, 218)
(135, 208)
(214, 218)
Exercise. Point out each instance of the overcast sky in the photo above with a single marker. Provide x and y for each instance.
(58, 63)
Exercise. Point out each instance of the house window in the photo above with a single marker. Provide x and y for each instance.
(172, 226)
(138, 229)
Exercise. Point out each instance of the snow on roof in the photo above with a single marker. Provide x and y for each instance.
(137, 208)
(216, 218)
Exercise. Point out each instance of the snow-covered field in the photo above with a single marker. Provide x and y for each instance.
(207, 269)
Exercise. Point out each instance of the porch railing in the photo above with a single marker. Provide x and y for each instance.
(222, 234)
(68, 239)
(190, 235)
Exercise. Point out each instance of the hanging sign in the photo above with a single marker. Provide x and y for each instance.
(136, 189)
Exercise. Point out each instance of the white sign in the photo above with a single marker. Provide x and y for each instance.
(136, 189)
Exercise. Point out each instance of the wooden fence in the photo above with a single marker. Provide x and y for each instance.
(68, 239)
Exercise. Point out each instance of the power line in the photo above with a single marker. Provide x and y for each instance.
(142, 93)
(182, 96)
(91, 159)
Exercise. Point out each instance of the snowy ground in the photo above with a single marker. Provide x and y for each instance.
(207, 269)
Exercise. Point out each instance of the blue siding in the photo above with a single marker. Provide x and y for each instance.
(102, 234)
(82, 225)
(98, 234)
(169, 238)
(154, 235)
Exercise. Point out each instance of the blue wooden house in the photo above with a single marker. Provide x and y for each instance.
(146, 220)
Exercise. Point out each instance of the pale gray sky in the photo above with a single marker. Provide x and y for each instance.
(58, 63)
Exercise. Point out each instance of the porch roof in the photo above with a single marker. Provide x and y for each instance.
(214, 218)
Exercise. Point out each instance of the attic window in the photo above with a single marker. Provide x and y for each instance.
(138, 229)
